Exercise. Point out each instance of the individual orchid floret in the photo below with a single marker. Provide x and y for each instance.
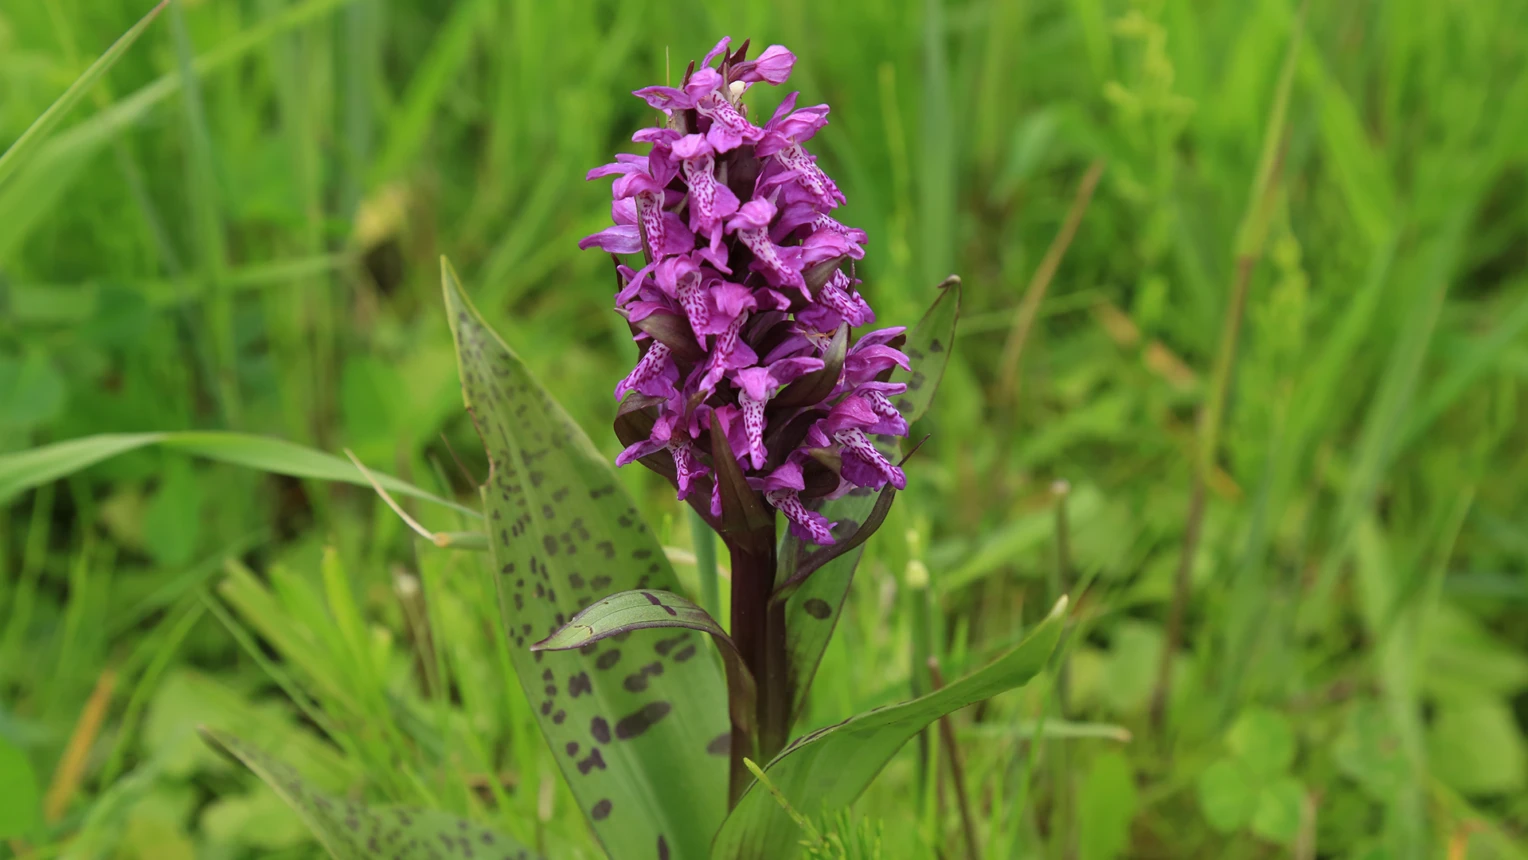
(844, 428)
(710, 201)
(782, 489)
(782, 137)
(773, 67)
(758, 385)
(751, 224)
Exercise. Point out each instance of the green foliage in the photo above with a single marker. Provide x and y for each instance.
(634, 726)
(1251, 786)
(1108, 801)
(813, 609)
(20, 796)
(26, 469)
(822, 772)
(232, 226)
(353, 831)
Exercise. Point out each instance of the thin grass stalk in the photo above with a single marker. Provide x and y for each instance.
(957, 769)
(1039, 283)
(1250, 239)
(1064, 802)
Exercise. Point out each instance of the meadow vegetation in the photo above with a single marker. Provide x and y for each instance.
(1243, 340)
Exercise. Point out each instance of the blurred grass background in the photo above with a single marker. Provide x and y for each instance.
(239, 228)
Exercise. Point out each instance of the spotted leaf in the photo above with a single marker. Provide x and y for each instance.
(354, 831)
(646, 610)
(813, 606)
(632, 722)
(823, 772)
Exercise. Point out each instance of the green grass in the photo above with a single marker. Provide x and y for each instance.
(238, 225)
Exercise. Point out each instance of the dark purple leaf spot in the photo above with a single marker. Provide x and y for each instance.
(608, 659)
(653, 599)
(595, 760)
(635, 724)
(600, 729)
(684, 653)
(817, 608)
(720, 745)
(601, 810)
(579, 684)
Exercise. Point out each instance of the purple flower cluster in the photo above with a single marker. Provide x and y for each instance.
(743, 305)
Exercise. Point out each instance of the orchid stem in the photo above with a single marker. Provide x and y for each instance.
(758, 630)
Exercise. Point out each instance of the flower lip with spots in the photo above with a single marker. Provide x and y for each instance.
(745, 277)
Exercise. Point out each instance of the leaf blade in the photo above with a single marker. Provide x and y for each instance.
(12, 159)
(563, 533)
(627, 611)
(825, 771)
(353, 831)
(24, 470)
(812, 610)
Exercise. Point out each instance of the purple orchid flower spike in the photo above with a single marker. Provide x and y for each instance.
(743, 300)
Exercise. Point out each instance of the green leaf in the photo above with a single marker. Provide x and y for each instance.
(811, 612)
(1227, 795)
(24, 470)
(1367, 751)
(20, 797)
(1476, 748)
(353, 831)
(1264, 741)
(1107, 802)
(823, 772)
(639, 728)
(745, 523)
(38, 132)
(32, 392)
(928, 351)
(629, 611)
(172, 524)
(1280, 808)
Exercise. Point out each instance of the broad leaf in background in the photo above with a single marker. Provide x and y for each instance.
(24, 470)
(812, 611)
(823, 772)
(639, 728)
(354, 831)
(20, 797)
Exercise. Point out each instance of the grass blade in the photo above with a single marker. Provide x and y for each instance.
(38, 131)
(24, 470)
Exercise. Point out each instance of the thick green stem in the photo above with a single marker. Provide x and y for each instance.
(759, 633)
